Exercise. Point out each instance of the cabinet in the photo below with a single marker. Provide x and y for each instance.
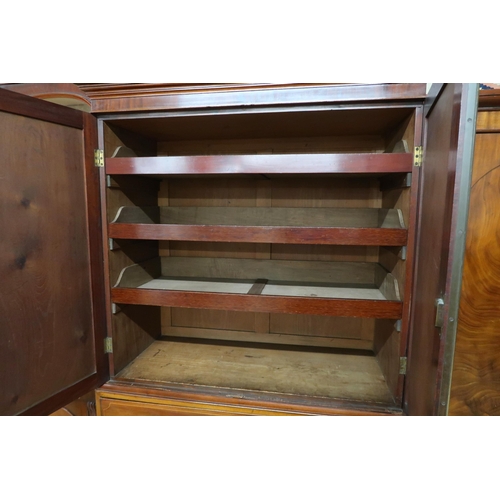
(239, 251)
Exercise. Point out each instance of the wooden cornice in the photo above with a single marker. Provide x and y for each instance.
(149, 97)
(118, 90)
(489, 99)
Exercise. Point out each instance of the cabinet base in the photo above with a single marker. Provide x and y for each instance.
(126, 399)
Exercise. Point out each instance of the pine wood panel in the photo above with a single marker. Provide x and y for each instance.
(280, 371)
(475, 388)
(45, 296)
(336, 274)
(133, 328)
(303, 338)
(275, 145)
(234, 216)
(279, 192)
(213, 319)
(488, 122)
(389, 343)
(387, 348)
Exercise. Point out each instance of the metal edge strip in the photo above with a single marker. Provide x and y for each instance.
(467, 133)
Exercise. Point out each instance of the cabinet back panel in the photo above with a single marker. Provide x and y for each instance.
(354, 144)
(271, 123)
(45, 296)
(358, 192)
(306, 330)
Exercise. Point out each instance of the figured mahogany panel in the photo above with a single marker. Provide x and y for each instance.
(263, 164)
(475, 388)
(47, 314)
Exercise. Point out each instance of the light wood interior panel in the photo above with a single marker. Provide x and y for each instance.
(329, 144)
(391, 258)
(134, 327)
(402, 136)
(387, 338)
(252, 191)
(487, 122)
(260, 192)
(386, 345)
(324, 331)
(275, 124)
(116, 136)
(358, 131)
(354, 377)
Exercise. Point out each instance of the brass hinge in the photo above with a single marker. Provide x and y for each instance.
(98, 157)
(402, 365)
(417, 156)
(108, 345)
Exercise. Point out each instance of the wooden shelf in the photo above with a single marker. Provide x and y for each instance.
(297, 372)
(358, 289)
(363, 163)
(337, 226)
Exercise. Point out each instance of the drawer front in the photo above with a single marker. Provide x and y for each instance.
(111, 405)
(137, 401)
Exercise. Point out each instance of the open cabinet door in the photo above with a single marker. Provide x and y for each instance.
(52, 318)
(449, 128)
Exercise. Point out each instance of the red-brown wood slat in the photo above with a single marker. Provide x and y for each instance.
(110, 98)
(362, 163)
(380, 309)
(261, 234)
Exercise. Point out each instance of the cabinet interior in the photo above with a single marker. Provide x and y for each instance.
(280, 283)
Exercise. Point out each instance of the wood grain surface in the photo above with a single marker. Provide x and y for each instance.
(475, 388)
(321, 374)
(141, 97)
(122, 398)
(382, 309)
(45, 298)
(436, 199)
(263, 164)
(132, 328)
(348, 226)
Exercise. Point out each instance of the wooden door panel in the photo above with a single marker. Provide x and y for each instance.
(48, 317)
(475, 388)
(444, 183)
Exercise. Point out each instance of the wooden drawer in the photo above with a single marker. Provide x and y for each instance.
(110, 405)
(134, 400)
